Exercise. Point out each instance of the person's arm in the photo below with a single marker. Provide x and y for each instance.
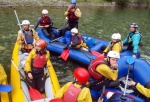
(20, 39)
(135, 42)
(35, 35)
(106, 49)
(77, 13)
(117, 47)
(29, 60)
(37, 23)
(2, 74)
(51, 24)
(143, 90)
(61, 92)
(126, 40)
(107, 72)
(88, 97)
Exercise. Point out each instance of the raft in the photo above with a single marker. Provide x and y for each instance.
(20, 92)
(84, 57)
(4, 96)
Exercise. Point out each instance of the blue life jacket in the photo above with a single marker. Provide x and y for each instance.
(28, 36)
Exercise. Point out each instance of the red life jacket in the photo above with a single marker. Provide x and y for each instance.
(39, 61)
(93, 65)
(72, 17)
(45, 21)
(79, 37)
(71, 94)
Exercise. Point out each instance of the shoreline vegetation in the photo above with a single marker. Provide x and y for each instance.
(64, 3)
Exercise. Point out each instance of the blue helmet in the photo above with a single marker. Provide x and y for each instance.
(73, 1)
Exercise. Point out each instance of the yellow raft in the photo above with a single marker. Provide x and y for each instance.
(20, 92)
(4, 96)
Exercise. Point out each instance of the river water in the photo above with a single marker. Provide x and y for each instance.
(99, 22)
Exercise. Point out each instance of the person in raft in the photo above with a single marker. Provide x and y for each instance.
(46, 23)
(115, 44)
(135, 37)
(26, 37)
(76, 91)
(37, 60)
(104, 72)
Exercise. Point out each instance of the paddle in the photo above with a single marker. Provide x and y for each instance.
(130, 60)
(65, 54)
(103, 92)
(21, 29)
(5, 88)
(56, 39)
(95, 53)
(34, 94)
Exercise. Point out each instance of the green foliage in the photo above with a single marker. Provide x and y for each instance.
(121, 2)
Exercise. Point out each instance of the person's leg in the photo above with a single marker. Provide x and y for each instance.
(45, 31)
(147, 85)
(31, 82)
(114, 84)
(41, 83)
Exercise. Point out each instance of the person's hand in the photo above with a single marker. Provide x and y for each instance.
(100, 100)
(30, 76)
(134, 56)
(115, 66)
(46, 26)
(132, 83)
(22, 37)
(57, 30)
(69, 7)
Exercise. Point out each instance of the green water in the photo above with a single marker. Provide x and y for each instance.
(98, 22)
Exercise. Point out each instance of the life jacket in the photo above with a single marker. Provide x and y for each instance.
(72, 16)
(39, 61)
(45, 21)
(92, 68)
(131, 34)
(71, 94)
(112, 45)
(28, 36)
(79, 37)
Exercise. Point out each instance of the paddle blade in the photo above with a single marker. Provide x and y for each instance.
(35, 94)
(95, 53)
(65, 54)
(5, 88)
(130, 60)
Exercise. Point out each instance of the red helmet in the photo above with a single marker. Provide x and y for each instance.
(41, 43)
(56, 100)
(81, 74)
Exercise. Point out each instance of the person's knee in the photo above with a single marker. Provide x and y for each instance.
(42, 90)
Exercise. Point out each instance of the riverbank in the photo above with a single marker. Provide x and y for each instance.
(64, 3)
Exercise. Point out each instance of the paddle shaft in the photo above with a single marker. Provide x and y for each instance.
(124, 93)
(56, 39)
(21, 29)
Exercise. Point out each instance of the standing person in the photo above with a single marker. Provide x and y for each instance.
(76, 91)
(76, 41)
(143, 90)
(26, 37)
(104, 72)
(46, 23)
(35, 64)
(73, 13)
(115, 44)
(135, 37)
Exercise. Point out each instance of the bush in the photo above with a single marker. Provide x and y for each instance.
(121, 2)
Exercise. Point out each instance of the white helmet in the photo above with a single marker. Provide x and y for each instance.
(75, 30)
(44, 11)
(116, 36)
(113, 54)
(25, 22)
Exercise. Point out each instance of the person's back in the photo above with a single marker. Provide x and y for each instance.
(76, 91)
(3, 76)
